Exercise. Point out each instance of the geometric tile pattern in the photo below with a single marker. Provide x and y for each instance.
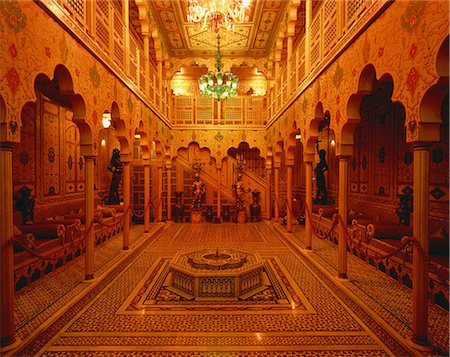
(325, 321)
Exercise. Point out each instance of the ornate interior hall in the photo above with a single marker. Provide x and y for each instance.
(224, 177)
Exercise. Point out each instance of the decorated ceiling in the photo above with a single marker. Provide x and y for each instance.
(252, 38)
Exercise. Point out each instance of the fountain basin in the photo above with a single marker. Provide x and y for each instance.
(216, 274)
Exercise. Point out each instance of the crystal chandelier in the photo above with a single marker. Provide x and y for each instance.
(217, 12)
(218, 85)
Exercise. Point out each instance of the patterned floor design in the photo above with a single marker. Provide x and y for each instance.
(95, 319)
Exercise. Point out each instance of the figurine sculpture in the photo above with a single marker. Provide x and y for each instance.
(115, 166)
(198, 191)
(405, 208)
(239, 193)
(25, 204)
(321, 167)
(178, 211)
(255, 207)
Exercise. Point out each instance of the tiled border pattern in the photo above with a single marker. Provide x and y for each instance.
(332, 317)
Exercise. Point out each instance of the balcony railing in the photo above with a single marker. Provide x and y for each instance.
(334, 25)
(115, 43)
(237, 111)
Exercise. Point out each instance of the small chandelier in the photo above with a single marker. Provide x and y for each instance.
(217, 12)
(218, 85)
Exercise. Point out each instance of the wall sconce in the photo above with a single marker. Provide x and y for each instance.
(298, 136)
(137, 136)
(332, 142)
(103, 142)
(106, 120)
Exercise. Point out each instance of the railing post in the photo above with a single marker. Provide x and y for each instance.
(146, 196)
(308, 204)
(277, 192)
(289, 198)
(126, 201)
(420, 250)
(169, 189)
(89, 218)
(343, 202)
(7, 324)
(308, 20)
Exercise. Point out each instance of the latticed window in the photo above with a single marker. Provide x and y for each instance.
(184, 110)
(330, 25)
(205, 111)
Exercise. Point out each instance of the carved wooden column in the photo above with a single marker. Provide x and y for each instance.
(6, 247)
(308, 20)
(343, 203)
(159, 192)
(289, 60)
(169, 190)
(219, 192)
(308, 204)
(289, 198)
(126, 202)
(147, 196)
(160, 88)
(420, 233)
(268, 185)
(89, 219)
(277, 191)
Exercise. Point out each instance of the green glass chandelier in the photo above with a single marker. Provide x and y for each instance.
(218, 85)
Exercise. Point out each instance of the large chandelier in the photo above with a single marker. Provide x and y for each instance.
(218, 85)
(217, 12)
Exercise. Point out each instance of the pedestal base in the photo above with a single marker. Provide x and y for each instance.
(196, 216)
(242, 217)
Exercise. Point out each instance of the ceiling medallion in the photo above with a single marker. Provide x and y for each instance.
(217, 13)
(218, 85)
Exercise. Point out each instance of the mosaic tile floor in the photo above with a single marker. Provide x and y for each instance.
(102, 318)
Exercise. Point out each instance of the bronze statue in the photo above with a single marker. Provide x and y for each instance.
(178, 210)
(116, 167)
(239, 193)
(321, 167)
(198, 191)
(255, 207)
(25, 204)
(405, 207)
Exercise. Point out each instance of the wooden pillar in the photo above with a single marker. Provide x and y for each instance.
(277, 191)
(343, 203)
(308, 204)
(289, 59)
(159, 190)
(420, 233)
(126, 203)
(147, 196)
(289, 199)
(89, 219)
(147, 64)
(308, 20)
(169, 191)
(6, 247)
(268, 191)
(160, 89)
(219, 192)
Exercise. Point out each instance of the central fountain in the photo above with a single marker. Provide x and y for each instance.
(211, 274)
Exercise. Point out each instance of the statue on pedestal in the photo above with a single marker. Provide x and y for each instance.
(405, 206)
(239, 192)
(25, 204)
(178, 210)
(255, 207)
(321, 167)
(116, 167)
(198, 191)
